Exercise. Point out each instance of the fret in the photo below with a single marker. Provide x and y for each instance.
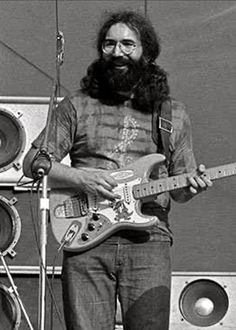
(155, 187)
(221, 171)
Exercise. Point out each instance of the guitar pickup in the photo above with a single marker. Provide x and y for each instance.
(73, 207)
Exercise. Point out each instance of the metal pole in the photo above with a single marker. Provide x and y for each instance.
(44, 208)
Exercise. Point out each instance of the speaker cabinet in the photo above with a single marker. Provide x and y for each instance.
(21, 120)
(11, 313)
(26, 280)
(203, 301)
(20, 228)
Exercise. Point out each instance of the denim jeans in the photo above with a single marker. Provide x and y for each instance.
(137, 271)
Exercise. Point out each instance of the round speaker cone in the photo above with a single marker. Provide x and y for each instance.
(10, 226)
(10, 313)
(12, 139)
(203, 303)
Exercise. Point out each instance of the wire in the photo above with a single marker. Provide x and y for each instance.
(30, 63)
(53, 300)
(145, 8)
(60, 45)
(57, 16)
(25, 60)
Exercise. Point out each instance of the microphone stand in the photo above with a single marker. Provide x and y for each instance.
(41, 166)
(44, 208)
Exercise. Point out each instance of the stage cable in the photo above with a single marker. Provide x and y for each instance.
(145, 8)
(60, 53)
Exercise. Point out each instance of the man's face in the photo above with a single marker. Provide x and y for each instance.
(122, 46)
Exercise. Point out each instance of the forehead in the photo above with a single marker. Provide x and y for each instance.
(121, 31)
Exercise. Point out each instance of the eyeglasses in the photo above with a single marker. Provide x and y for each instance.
(126, 46)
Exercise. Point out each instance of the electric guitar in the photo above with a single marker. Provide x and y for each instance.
(81, 221)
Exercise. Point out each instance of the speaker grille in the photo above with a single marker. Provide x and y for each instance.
(10, 313)
(10, 226)
(203, 303)
(12, 139)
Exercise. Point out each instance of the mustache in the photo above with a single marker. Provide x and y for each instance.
(120, 61)
(117, 61)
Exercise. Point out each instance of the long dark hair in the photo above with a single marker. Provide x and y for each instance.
(140, 25)
(153, 85)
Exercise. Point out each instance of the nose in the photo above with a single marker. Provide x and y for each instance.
(117, 52)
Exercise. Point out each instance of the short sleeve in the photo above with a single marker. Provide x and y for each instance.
(61, 131)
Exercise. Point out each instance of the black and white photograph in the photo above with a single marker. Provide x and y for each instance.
(117, 165)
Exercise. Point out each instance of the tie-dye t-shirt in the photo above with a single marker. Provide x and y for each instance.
(110, 137)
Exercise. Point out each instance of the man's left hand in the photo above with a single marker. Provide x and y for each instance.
(200, 182)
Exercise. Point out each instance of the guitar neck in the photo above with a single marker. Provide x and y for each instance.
(152, 188)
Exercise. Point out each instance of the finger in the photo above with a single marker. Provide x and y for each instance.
(105, 185)
(197, 190)
(196, 185)
(111, 181)
(200, 182)
(107, 178)
(207, 181)
(201, 168)
(108, 194)
(192, 182)
(193, 190)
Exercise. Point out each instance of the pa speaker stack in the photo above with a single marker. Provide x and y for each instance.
(200, 300)
(21, 120)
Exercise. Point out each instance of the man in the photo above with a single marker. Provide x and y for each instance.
(106, 125)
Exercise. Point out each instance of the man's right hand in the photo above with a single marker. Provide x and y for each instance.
(97, 182)
(89, 180)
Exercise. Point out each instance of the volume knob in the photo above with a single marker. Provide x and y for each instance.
(95, 216)
(85, 236)
(91, 226)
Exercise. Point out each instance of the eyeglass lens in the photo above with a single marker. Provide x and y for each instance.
(126, 46)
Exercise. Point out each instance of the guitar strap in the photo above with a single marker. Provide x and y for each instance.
(162, 127)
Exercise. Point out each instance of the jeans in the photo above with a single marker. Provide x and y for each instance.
(137, 271)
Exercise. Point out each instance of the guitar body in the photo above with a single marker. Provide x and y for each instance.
(80, 221)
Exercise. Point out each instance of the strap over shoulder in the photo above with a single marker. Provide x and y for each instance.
(162, 127)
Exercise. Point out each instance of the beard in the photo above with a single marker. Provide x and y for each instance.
(115, 83)
(143, 83)
(122, 80)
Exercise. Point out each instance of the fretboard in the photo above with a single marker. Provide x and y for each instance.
(155, 187)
